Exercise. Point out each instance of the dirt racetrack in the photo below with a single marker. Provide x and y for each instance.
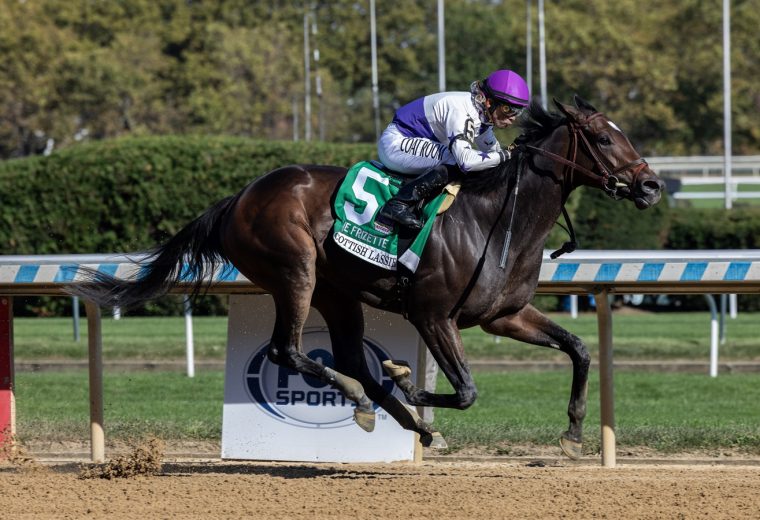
(435, 490)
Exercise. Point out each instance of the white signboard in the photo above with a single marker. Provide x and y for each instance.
(274, 413)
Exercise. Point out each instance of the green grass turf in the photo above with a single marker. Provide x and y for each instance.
(637, 336)
(55, 405)
(664, 412)
(147, 338)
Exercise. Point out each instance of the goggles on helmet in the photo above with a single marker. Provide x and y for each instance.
(505, 110)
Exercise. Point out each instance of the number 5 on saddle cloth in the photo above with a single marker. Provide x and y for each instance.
(361, 195)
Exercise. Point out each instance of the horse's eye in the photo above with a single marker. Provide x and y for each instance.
(604, 140)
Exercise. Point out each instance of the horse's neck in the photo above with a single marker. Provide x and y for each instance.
(539, 204)
(541, 199)
(541, 193)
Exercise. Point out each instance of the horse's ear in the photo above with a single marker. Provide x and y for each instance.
(570, 111)
(584, 105)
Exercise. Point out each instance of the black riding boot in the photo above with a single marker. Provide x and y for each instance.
(401, 207)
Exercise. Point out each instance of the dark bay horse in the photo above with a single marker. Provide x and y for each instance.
(278, 233)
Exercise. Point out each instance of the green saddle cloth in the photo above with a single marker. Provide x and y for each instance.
(361, 195)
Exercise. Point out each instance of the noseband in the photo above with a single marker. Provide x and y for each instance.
(602, 176)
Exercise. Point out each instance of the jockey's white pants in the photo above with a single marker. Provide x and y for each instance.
(411, 155)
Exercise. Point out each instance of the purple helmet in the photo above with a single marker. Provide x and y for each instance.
(508, 87)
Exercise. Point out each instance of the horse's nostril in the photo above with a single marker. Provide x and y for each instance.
(650, 186)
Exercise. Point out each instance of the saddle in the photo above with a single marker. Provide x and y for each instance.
(366, 187)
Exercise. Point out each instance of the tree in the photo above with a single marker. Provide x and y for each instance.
(74, 70)
(31, 47)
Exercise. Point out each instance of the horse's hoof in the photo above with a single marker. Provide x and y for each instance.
(433, 440)
(396, 368)
(365, 420)
(572, 449)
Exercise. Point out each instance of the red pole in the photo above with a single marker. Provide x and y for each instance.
(7, 415)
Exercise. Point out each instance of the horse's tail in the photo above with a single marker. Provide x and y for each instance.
(192, 255)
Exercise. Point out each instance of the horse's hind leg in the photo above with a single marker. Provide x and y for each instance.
(530, 326)
(292, 302)
(345, 321)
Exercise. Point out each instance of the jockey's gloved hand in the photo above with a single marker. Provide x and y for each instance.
(518, 145)
(505, 155)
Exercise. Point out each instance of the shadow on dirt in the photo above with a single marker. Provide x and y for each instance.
(287, 471)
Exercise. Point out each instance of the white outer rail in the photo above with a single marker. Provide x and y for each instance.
(643, 272)
(706, 170)
(711, 195)
(583, 272)
(705, 164)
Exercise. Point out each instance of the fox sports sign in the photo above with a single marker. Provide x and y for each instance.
(305, 401)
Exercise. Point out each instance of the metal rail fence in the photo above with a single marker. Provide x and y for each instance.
(600, 273)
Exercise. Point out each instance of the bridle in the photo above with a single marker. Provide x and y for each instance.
(602, 176)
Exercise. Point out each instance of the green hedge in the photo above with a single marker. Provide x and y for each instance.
(604, 223)
(130, 194)
(738, 228)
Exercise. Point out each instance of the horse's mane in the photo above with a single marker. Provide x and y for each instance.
(536, 123)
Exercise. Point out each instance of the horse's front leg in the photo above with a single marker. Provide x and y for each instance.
(530, 326)
(445, 343)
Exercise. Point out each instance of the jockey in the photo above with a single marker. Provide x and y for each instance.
(448, 128)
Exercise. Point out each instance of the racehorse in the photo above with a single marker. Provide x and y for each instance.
(480, 266)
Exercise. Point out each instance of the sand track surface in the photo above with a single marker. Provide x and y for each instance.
(430, 490)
